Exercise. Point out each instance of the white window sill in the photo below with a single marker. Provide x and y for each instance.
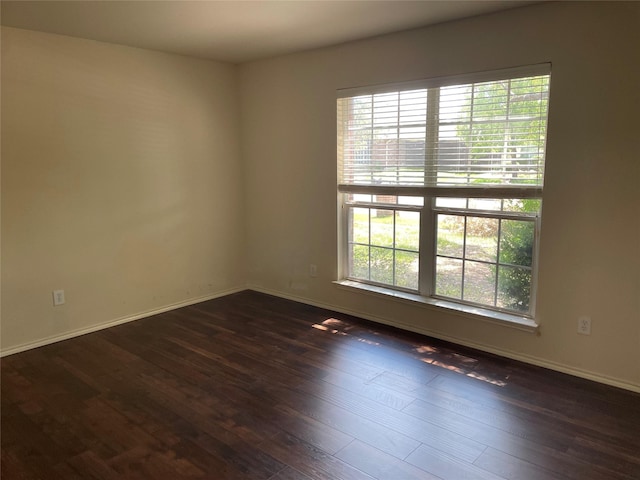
(506, 319)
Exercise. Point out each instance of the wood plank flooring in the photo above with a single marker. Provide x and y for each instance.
(251, 386)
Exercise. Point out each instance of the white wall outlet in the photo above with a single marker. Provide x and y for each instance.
(584, 325)
(58, 297)
(313, 270)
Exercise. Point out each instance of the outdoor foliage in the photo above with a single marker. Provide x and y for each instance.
(516, 248)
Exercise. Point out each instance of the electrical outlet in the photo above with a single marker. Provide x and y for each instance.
(584, 325)
(313, 270)
(58, 297)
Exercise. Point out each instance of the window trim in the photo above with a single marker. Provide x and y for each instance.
(394, 208)
(427, 251)
(501, 215)
(517, 322)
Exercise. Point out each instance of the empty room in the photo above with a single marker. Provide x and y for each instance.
(293, 240)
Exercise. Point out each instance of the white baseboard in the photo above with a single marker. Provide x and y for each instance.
(113, 323)
(615, 382)
(540, 362)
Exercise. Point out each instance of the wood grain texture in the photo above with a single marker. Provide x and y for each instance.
(250, 386)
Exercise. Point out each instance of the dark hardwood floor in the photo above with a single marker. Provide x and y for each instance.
(250, 386)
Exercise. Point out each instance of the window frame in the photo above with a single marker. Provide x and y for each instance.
(350, 205)
(534, 218)
(428, 212)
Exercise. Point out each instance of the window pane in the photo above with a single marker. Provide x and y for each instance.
(388, 199)
(384, 245)
(514, 288)
(447, 202)
(360, 225)
(479, 283)
(359, 261)
(482, 239)
(450, 235)
(407, 269)
(358, 197)
(516, 242)
(454, 103)
(385, 110)
(361, 109)
(382, 227)
(492, 204)
(519, 205)
(411, 146)
(415, 201)
(408, 230)
(475, 255)
(527, 205)
(382, 265)
(384, 199)
(490, 100)
(449, 277)
(498, 137)
(413, 107)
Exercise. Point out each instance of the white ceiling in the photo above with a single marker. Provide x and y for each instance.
(236, 31)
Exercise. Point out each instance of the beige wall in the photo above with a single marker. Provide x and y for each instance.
(121, 183)
(590, 245)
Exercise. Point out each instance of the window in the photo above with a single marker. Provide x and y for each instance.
(441, 185)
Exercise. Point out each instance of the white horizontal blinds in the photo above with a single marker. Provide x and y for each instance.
(382, 138)
(476, 135)
(492, 133)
